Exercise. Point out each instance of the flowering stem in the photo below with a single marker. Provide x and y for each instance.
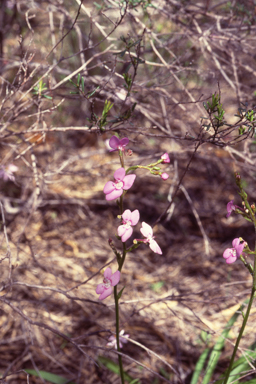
(117, 335)
(252, 216)
(123, 257)
(121, 205)
(121, 158)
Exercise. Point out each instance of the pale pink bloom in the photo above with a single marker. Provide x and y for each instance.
(6, 172)
(114, 189)
(147, 231)
(232, 207)
(117, 144)
(166, 158)
(164, 176)
(105, 289)
(112, 340)
(129, 218)
(232, 254)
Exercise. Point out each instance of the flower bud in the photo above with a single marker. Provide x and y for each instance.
(164, 176)
(165, 158)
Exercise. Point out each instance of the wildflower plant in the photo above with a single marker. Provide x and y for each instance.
(116, 190)
(240, 250)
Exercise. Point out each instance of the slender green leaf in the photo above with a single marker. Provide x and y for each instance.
(78, 79)
(199, 366)
(51, 377)
(113, 367)
(217, 349)
(120, 293)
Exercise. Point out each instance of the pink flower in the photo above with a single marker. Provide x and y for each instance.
(6, 173)
(166, 158)
(129, 218)
(232, 207)
(117, 144)
(114, 189)
(112, 340)
(164, 176)
(105, 289)
(231, 254)
(147, 231)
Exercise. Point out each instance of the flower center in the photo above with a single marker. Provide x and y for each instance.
(233, 251)
(106, 282)
(119, 184)
(149, 238)
(127, 224)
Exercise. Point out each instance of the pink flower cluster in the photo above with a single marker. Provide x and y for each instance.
(110, 280)
(114, 189)
(125, 230)
(232, 254)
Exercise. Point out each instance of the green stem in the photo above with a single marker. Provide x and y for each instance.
(248, 308)
(117, 336)
(123, 258)
(239, 336)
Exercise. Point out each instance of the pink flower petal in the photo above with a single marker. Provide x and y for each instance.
(155, 247)
(107, 273)
(107, 292)
(114, 194)
(230, 207)
(135, 216)
(236, 242)
(127, 234)
(165, 158)
(115, 278)
(100, 288)
(124, 141)
(231, 259)
(114, 142)
(12, 168)
(109, 187)
(239, 249)
(119, 174)
(121, 230)
(227, 253)
(128, 181)
(127, 215)
(146, 230)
